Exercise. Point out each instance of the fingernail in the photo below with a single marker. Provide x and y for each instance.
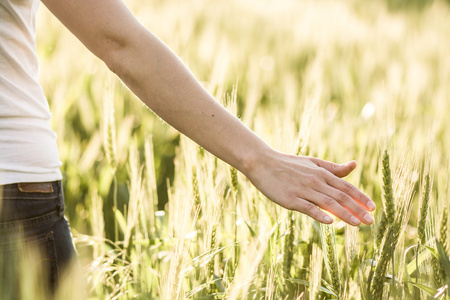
(328, 219)
(369, 219)
(371, 205)
(354, 221)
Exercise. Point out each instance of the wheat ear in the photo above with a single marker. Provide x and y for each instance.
(424, 211)
(389, 203)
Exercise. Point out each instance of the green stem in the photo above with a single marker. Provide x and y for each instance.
(116, 224)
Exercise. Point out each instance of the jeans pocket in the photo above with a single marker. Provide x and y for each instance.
(26, 201)
(26, 259)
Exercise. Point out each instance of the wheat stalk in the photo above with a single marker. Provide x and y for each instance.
(212, 245)
(271, 284)
(109, 144)
(351, 240)
(234, 186)
(288, 252)
(380, 271)
(97, 223)
(152, 192)
(315, 277)
(134, 207)
(403, 189)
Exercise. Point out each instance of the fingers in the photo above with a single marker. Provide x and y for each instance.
(333, 200)
(308, 208)
(336, 195)
(343, 206)
(343, 187)
(340, 170)
(325, 202)
(350, 190)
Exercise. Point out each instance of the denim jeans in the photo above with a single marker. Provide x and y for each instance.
(32, 216)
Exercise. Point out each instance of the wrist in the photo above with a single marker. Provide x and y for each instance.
(255, 160)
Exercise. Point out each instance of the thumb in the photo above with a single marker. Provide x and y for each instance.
(340, 170)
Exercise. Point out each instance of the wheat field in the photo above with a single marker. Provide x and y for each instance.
(154, 216)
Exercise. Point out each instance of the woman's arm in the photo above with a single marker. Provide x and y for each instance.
(163, 83)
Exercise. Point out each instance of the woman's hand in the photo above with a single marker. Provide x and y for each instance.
(305, 183)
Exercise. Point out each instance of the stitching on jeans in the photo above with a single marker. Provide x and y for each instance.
(30, 198)
(29, 241)
(33, 221)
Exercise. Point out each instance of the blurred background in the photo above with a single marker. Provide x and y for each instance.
(340, 80)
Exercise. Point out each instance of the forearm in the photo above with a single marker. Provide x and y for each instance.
(165, 85)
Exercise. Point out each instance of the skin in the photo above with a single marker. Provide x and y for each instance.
(156, 75)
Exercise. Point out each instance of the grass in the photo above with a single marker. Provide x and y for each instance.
(156, 217)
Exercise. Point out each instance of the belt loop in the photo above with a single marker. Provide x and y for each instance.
(61, 205)
(60, 210)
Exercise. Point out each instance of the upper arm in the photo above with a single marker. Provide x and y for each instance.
(103, 26)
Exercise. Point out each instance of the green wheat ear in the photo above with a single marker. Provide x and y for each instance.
(234, 179)
(389, 203)
(439, 274)
(388, 216)
(109, 128)
(386, 226)
(381, 231)
(331, 263)
(443, 230)
(424, 211)
(195, 191)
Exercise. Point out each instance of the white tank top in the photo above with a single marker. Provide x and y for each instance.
(28, 151)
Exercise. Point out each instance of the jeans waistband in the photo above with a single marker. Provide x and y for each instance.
(10, 185)
(28, 188)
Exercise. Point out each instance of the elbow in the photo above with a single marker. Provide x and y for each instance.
(111, 47)
(119, 55)
(112, 56)
(120, 62)
(130, 57)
